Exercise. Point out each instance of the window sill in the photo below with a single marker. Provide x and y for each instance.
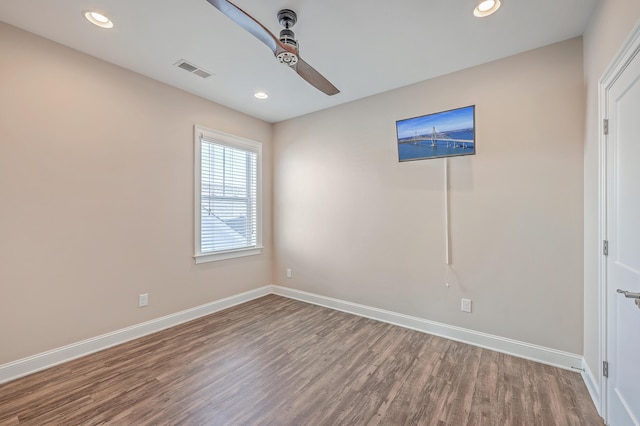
(224, 255)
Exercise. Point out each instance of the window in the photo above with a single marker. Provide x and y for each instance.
(227, 196)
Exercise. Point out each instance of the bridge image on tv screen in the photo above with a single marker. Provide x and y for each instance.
(443, 134)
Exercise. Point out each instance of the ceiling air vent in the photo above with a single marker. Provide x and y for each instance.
(193, 69)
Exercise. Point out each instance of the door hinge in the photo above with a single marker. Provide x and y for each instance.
(605, 368)
(605, 247)
(605, 126)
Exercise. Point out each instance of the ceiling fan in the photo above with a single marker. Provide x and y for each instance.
(285, 48)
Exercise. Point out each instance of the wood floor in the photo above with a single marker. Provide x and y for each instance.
(276, 361)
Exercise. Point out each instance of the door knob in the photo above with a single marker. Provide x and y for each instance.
(631, 295)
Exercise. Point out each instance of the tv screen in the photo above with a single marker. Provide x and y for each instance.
(443, 134)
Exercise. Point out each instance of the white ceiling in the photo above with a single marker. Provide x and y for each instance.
(363, 47)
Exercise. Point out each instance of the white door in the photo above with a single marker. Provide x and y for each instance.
(623, 234)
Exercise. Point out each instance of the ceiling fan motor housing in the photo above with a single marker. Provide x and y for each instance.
(288, 37)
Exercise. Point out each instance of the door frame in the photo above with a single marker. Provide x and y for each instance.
(629, 49)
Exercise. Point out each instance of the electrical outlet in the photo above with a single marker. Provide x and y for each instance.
(466, 305)
(143, 300)
(289, 273)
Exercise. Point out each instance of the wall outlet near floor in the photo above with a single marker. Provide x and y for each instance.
(289, 273)
(143, 300)
(466, 305)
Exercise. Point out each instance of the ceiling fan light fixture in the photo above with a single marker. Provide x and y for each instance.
(486, 8)
(261, 95)
(97, 18)
(287, 58)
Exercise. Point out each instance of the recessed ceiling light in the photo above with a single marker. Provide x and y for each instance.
(261, 95)
(98, 19)
(486, 8)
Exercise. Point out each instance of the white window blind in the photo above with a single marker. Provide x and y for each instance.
(228, 197)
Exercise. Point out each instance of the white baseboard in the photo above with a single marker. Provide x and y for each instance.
(32, 364)
(38, 362)
(592, 385)
(553, 357)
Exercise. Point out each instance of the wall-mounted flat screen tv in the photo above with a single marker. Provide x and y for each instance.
(443, 134)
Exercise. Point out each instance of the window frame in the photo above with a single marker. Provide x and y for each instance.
(214, 136)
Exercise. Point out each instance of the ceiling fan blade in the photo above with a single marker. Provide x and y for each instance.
(247, 22)
(314, 78)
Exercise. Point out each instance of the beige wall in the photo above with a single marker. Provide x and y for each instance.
(610, 25)
(354, 223)
(96, 198)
